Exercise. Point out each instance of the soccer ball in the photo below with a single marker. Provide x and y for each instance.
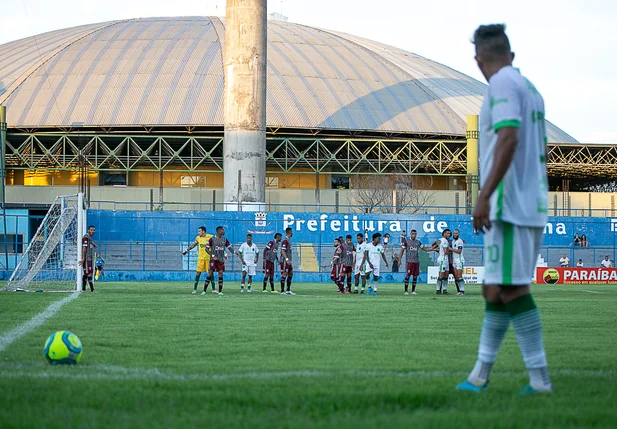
(63, 347)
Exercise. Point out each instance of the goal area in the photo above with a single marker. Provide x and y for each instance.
(51, 261)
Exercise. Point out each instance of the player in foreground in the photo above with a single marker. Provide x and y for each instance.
(250, 254)
(216, 249)
(347, 262)
(270, 255)
(335, 264)
(287, 270)
(373, 254)
(410, 248)
(511, 210)
(87, 258)
(444, 263)
(458, 261)
(201, 241)
(359, 266)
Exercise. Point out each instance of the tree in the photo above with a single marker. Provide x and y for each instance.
(376, 193)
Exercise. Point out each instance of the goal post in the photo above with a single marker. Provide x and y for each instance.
(51, 261)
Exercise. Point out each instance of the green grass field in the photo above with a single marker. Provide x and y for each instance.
(157, 356)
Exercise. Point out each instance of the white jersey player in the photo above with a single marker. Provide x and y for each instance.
(444, 263)
(458, 261)
(373, 255)
(511, 209)
(359, 264)
(250, 255)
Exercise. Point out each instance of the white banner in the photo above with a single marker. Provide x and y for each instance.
(471, 275)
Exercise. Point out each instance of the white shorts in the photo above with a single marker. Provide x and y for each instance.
(510, 254)
(458, 263)
(374, 270)
(444, 264)
(249, 269)
(358, 269)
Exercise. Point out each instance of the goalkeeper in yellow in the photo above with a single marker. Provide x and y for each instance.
(203, 258)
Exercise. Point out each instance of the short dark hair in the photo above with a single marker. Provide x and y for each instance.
(376, 235)
(278, 234)
(413, 230)
(91, 226)
(491, 41)
(218, 228)
(202, 228)
(348, 236)
(444, 231)
(337, 239)
(288, 229)
(249, 235)
(359, 235)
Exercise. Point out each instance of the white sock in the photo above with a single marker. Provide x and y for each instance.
(461, 285)
(528, 329)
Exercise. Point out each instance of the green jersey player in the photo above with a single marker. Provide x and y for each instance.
(511, 209)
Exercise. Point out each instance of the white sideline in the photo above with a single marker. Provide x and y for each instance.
(106, 372)
(592, 291)
(35, 322)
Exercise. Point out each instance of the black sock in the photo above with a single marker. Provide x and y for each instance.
(220, 285)
(206, 283)
(265, 284)
(413, 284)
(282, 284)
(406, 284)
(91, 286)
(458, 289)
(288, 284)
(272, 284)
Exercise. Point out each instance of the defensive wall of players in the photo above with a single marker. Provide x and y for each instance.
(146, 245)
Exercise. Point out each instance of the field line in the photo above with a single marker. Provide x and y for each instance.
(106, 372)
(592, 291)
(29, 326)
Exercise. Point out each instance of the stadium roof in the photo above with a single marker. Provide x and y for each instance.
(161, 72)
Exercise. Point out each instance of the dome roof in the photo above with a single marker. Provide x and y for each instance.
(169, 72)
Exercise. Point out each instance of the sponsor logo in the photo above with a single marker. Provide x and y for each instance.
(550, 276)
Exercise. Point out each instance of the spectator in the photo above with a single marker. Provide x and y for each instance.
(584, 242)
(577, 240)
(564, 261)
(395, 263)
(606, 263)
(579, 264)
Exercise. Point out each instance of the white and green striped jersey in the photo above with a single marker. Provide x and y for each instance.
(443, 248)
(458, 244)
(522, 196)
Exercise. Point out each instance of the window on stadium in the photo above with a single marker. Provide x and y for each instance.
(192, 182)
(272, 182)
(12, 243)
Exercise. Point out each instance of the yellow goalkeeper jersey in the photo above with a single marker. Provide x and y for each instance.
(202, 255)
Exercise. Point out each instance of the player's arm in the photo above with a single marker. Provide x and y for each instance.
(337, 255)
(84, 250)
(506, 120)
(365, 259)
(209, 249)
(191, 247)
(383, 256)
(400, 255)
(256, 256)
(284, 254)
(459, 250)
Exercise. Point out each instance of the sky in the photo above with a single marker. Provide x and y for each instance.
(567, 48)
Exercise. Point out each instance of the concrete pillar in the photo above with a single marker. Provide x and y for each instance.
(472, 158)
(244, 148)
(2, 143)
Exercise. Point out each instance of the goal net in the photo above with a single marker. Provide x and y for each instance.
(51, 260)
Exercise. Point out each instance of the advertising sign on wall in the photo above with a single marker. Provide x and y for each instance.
(471, 275)
(576, 276)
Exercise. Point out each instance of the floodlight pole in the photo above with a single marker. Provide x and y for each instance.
(3, 180)
(244, 145)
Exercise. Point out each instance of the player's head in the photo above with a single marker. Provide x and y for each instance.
(278, 236)
(289, 232)
(91, 230)
(348, 239)
(386, 238)
(249, 239)
(376, 238)
(492, 48)
(580, 261)
(606, 258)
(220, 231)
(360, 237)
(336, 242)
(446, 233)
(201, 231)
(456, 234)
(564, 255)
(413, 234)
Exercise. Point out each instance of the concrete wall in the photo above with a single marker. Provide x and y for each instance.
(278, 199)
